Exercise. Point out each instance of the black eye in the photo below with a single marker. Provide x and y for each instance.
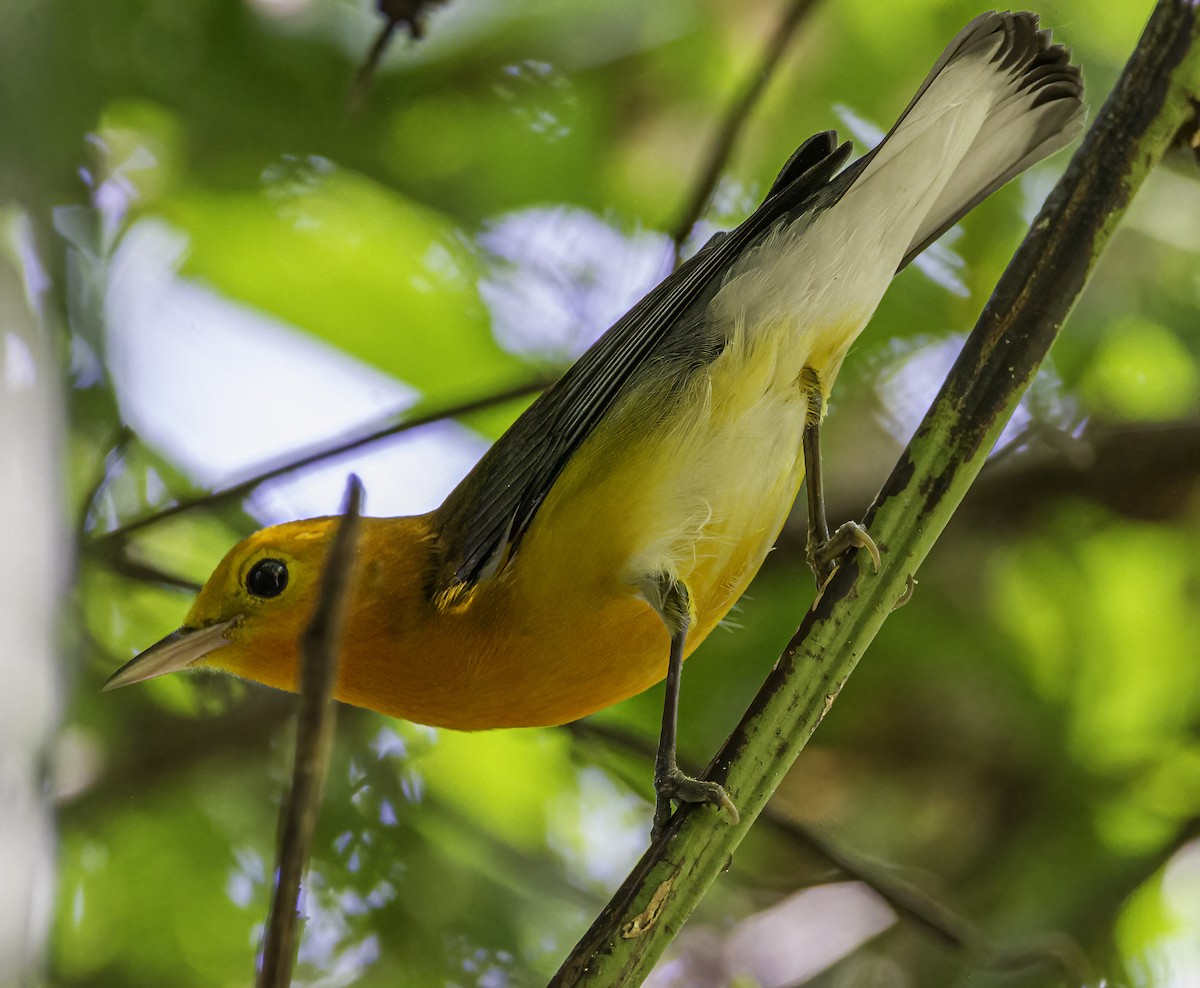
(267, 578)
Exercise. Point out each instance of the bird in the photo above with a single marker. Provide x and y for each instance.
(607, 532)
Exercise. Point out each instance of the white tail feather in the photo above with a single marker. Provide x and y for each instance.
(999, 99)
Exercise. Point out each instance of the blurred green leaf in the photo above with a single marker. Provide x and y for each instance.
(1023, 737)
(396, 285)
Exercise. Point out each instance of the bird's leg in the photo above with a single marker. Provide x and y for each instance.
(670, 599)
(822, 548)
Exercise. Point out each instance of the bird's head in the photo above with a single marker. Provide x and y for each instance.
(248, 618)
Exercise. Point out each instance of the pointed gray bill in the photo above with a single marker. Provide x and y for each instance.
(177, 651)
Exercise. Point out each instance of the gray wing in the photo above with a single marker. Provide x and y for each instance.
(1038, 110)
(484, 518)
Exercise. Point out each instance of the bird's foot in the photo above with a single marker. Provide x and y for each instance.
(672, 784)
(823, 556)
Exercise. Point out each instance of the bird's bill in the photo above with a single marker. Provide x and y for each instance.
(178, 650)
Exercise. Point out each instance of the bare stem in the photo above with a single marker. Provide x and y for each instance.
(910, 902)
(735, 119)
(411, 14)
(319, 647)
(393, 426)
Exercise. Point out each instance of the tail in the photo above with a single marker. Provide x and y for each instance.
(999, 99)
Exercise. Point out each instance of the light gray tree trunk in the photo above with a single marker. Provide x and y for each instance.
(33, 556)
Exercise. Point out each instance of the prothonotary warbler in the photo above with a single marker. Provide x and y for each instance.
(608, 531)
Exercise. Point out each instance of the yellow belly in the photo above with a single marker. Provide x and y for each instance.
(700, 496)
(563, 630)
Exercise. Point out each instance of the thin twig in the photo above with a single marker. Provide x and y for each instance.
(319, 648)
(366, 72)
(143, 572)
(1096, 467)
(951, 927)
(410, 13)
(1137, 124)
(412, 419)
(735, 119)
(908, 901)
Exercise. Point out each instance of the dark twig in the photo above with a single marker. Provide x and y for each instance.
(366, 72)
(319, 647)
(951, 927)
(910, 902)
(1096, 467)
(144, 572)
(412, 419)
(1139, 121)
(117, 557)
(411, 14)
(735, 119)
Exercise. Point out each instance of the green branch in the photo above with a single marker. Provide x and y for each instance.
(1154, 100)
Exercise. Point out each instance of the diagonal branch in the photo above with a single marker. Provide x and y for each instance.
(135, 569)
(395, 13)
(414, 418)
(910, 902)
(319, 647)
(1151, 104)
(735, 119)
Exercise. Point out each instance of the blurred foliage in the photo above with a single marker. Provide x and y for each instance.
(1022, 739)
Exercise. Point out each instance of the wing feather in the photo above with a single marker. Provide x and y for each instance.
(482, 521)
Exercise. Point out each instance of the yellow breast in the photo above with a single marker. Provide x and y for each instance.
(562, 630)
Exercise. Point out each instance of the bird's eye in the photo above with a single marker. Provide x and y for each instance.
(267, 578)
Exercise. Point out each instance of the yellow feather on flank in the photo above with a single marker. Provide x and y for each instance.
(538, 593)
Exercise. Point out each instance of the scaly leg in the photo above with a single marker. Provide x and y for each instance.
(822, 549)
(670, 599)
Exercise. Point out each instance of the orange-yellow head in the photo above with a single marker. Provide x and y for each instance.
(248, 618)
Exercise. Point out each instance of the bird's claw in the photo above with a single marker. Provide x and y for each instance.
(823, 557)
(674, 785)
